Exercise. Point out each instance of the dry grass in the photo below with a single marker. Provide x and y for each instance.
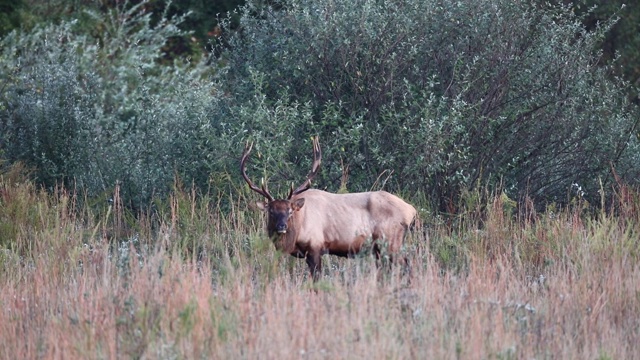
(193, 283)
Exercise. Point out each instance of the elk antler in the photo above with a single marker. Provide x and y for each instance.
(317, 157)
(264, 192)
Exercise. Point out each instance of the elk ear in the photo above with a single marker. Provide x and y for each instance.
(261, 205)
(297, 204)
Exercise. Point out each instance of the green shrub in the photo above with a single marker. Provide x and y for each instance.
(92, 112)
(447, 95)
(421, 97)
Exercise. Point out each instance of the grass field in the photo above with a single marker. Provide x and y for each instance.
(194, 281)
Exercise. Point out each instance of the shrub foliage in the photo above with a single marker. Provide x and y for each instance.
(428, 98)
(448, 95)
(95, 111)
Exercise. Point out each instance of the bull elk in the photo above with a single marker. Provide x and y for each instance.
(310, 223)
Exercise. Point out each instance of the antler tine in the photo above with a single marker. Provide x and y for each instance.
(245, 155)
(317, 158)
(265, 188)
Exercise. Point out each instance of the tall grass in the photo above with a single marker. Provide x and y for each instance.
(198, 279)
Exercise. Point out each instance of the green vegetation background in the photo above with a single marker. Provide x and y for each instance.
(423, 98)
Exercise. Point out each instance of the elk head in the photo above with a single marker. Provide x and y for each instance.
(280, 211)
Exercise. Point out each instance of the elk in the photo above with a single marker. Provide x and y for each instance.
(310, 223)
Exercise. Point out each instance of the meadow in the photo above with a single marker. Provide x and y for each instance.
(197, 278)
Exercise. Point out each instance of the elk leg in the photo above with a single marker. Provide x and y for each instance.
(314, 261)
(382, 247)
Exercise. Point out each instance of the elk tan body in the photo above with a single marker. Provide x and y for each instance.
(339, 224)
(311, 223)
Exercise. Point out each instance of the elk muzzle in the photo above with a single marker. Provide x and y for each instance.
(281, 228)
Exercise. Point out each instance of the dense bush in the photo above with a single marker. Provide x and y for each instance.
(622, 41)
(95, 111)
(448, 95)
(421, 97)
